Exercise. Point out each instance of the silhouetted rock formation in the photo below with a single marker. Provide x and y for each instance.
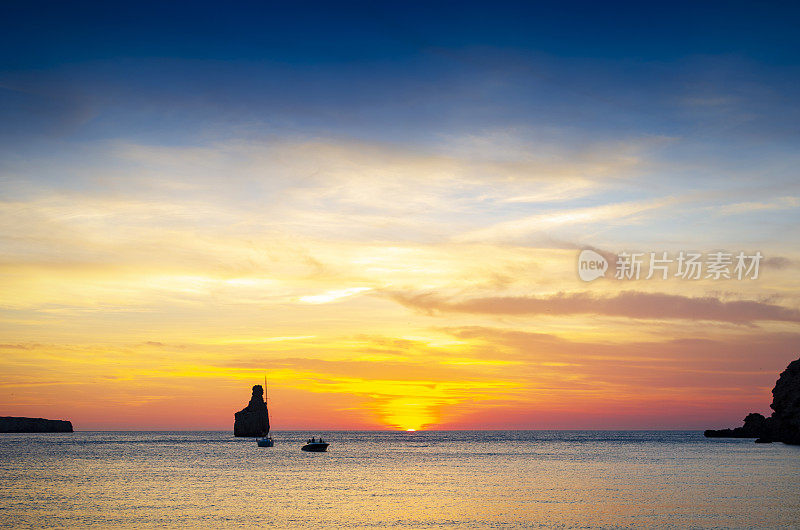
(784, 424)
(753, 427)
(17, 424)
(252, 420)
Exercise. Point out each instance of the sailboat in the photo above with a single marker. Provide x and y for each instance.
(266, 440)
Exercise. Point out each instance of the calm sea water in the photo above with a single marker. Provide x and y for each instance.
(564, 479)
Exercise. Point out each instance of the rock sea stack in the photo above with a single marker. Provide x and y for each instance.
(252, 420)
(784, 423)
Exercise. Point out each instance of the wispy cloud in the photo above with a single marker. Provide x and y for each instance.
(781, 203)
(332, 296)
(520, 229)
(629, 304)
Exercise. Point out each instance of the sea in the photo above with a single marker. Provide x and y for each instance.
(424, 479)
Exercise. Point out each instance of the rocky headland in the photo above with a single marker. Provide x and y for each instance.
(253, 419)
(19, 424)
(784, 423)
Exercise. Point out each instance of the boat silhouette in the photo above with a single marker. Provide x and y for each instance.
(315, 446)
(266, 440)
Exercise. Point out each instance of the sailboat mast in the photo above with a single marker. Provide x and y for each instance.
(266, 400)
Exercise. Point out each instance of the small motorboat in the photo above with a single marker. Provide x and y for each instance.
(265, 441)
(315, 446)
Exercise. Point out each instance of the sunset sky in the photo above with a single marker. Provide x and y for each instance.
(381, 207)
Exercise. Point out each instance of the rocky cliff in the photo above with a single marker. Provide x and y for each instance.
(253, 419)
(17, 424)
(784, 423)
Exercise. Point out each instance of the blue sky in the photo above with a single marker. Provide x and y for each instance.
(400, 71)
(48, 33)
